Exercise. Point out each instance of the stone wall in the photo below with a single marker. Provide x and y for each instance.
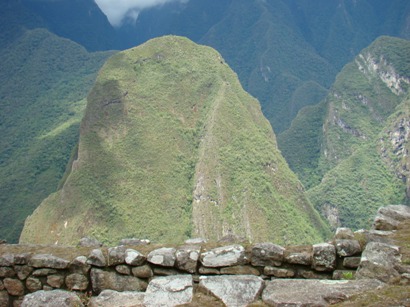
(152, 274)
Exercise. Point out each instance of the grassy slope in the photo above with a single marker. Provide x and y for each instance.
(168, 128)
(356, 180)
(43, 82)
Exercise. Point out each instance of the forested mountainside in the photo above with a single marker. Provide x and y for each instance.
(172, 147)
(44, 80)
(351, 149)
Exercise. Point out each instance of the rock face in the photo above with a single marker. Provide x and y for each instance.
(169, 291)
(51, 299)
(313, 293)
(233, 291)
(174, 110)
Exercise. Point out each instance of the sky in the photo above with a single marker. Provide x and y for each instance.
(119, 10)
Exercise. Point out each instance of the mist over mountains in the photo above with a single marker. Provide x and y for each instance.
(288, 54)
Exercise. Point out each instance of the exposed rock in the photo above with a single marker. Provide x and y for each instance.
(347, 248)
(351, 262)
(267, 254)
(144, 271)
(343, 233)
(169, 291)
(116, 255)
(4, 298)
(162, 256)
(48, 261)
(55, 281)
(278, 272)
(13, 286)
(33, 284)
(110, 298)
(23, 271)
(7, 272)
(235, 291)
(134, 241)
(79, 265)
(6, 260)
(343, 274)
(224, 256)
(187, 258)
(389, 217)
(103, 280)
(77, 282)
(298, 255)
(43, 272)
(134, 258)
(123, 269)
(53, 298)
(293, 292)
(89, 242)
(240, 270)
(379, 261)
(195, 241)
(96, 258)
(324, 257)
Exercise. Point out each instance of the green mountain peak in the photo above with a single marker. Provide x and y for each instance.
(172, 147)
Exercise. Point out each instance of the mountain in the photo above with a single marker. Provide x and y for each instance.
(43, 84)
(172, 147)
(354, 143)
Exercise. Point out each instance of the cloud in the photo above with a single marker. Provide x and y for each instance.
(119, 10)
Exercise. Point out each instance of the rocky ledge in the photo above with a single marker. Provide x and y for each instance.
(201, 274)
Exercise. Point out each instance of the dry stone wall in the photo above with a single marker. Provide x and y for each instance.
(235, 274)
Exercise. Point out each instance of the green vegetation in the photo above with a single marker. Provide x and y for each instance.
(335, 147)
(171, 147)
(43, 84)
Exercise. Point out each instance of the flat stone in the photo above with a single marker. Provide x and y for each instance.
(79, 265)
(298, 255)
(110, 298)
(43, 272)
(208, 271)
(6, 260)
(279, 272)
(343, 233)
(55, 281)
(33, 284)
(23, 271)
(162, 256)
(22, 258)
(240, 270)
(267, 254)
(116, 255)
(324, 257)
(96, 258)
(380, 261)
(7, 272)
(53, 298)
(89, 242)
(14, 286)
(224, 256)
(103, 280)
(187, 258)
(77, 282)
(123, 269)
(48, 261)
(134, 241)
(351, 262)
(169, 291)
(296, 292)
(345, 248)
(134, 258)
(233, 290)
(143, 271)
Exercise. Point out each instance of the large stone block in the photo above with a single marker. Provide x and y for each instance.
(267, 254)
(347, 248)
(163, 257)
(110, 298)
(48, 261)
(53, 298)
(187, 258)
(103, 280)
(224, 256)
(324, 257)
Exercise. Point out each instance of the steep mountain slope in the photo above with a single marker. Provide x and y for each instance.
(171, 147)
(44, 80)
(354, 173)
